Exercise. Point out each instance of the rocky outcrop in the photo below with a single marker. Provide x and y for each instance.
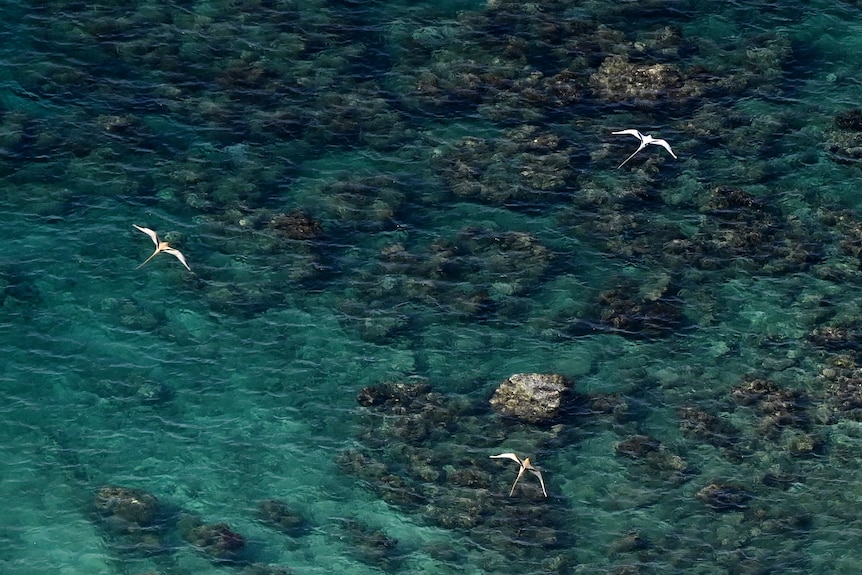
(531, 397)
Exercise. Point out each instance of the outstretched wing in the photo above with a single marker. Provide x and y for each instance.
(155, 253)
(178, 255)
(517, 479)
(149, 232)
(538, 474)
(635, 153)
(634, 133)
(664, 145)
(511, 456)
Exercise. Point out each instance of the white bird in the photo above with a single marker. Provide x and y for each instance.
(644, 141)
(161, 247)
(525, 466)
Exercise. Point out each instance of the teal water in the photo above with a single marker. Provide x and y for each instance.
(427, 192)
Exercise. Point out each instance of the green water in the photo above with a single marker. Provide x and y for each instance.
(371, 192)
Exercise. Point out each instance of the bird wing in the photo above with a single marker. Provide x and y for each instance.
(664, 145)
(155, 253)
(149, 232)
(511, 456)
(641, 147)
(517, 479)
(178, 255)
(538, 474)
(632, 132)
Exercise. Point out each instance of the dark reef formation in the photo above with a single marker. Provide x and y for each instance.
(127, 510)
(844, 142)
(477, 275)
(277, 86)
(409, 458)
(724, 497)
(135, 520)
(780, 408)
(842, 379)
(708, 427)
(370, 545)
(215, 540)
(524, 166)
(660, 460)
(333, 149)
(282, 516)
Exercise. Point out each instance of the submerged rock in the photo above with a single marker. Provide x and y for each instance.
(700, 424)
(263, 569)
(532, 397)
(653, 310)
(724, 497)
(370, 545)
(849, 120)
(843, 146)
(296, 225)
(649, 451)
(618, 80)
(280, 515)
(417, 450)
(632, 541)
(217, 540)
(781, 408)
(397, 397)
(127, 510)
(133, 520)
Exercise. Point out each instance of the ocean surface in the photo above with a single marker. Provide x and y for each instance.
(389, 208)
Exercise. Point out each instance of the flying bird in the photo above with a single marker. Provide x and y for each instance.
(644, 141)
(161, 247)
(525, 466)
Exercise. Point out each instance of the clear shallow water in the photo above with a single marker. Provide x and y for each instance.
(455, 260)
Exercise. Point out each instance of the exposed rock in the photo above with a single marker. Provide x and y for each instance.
(531, 397)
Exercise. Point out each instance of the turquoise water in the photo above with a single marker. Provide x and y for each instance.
(427, 193)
